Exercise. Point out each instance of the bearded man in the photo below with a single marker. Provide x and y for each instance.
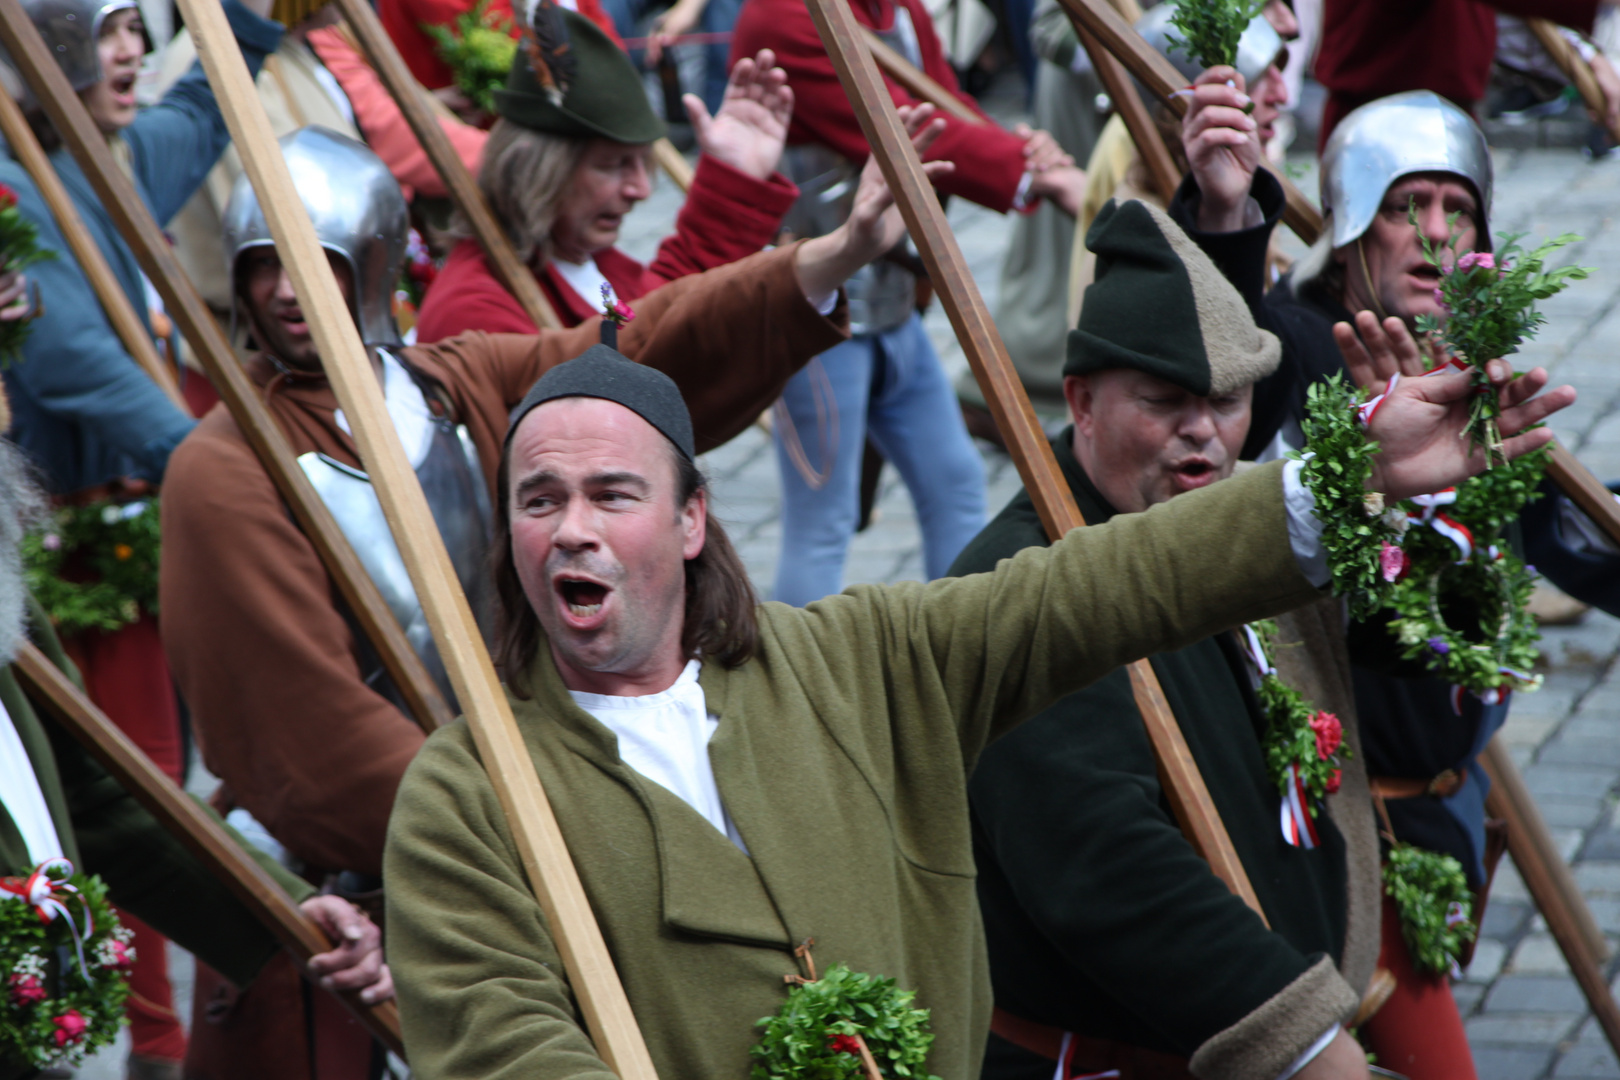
(57, 802)
(292, 711)
(1111, 940)
(735, 778)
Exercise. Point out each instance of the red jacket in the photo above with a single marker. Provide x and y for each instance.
(403, 20)
(727, 216)
(989, 159)
(1374, 48)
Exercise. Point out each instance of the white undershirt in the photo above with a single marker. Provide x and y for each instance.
(584, 278)
(21, 796)
(407, 408)
(665, 737)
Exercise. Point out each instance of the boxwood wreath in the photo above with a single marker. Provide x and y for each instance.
(1431, 893)
(114, 546)
(819, 1031)
(65, 962)
(1455, 598)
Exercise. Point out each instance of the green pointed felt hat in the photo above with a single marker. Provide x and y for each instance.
(595, 90)
(1159, 305)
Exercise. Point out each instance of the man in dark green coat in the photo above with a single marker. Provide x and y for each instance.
(56, 801)
(1112, 942)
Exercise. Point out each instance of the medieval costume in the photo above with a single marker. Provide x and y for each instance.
(726, 216)
(292, 710)
(841, 754)
(1111, 939)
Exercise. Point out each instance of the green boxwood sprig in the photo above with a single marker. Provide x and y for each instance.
(1436, 909)
(95, 567)
(802, 1041)
(1213, 28)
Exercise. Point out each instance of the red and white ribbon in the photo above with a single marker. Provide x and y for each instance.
(47, 891)
(1367, 408)
(1257, 652)
(1436, 519)
(1066, 1051)
(1298, 828)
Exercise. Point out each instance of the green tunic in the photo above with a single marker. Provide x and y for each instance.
(103, 830)
(842, 756)
(1101, 918)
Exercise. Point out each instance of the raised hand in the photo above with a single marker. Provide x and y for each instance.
(1421, 427)
(1223, 149)
(356, 963)
(750, 129)
(1374, 351)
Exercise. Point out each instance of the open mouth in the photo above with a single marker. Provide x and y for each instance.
(123, 87)
(582, 598)
(1195, 473)
(1427, 273)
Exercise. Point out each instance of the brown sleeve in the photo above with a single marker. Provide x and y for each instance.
(729, 337)
(267, 663)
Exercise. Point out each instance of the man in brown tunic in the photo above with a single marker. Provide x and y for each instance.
(289, 708)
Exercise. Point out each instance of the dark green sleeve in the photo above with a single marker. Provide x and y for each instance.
(1098, 911)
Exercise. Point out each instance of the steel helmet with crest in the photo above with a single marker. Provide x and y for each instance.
(1382, 141)
(359, 214)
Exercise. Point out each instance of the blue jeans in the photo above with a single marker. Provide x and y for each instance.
(889, 386)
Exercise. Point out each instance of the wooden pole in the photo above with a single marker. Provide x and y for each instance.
(551, 873)
(915, 81)
(130, 215)
(202, 834)
(1552, 886)
(1577, 70)
(1134, 112)
(384, 56)
(114, 301)
(1183, 786)
(674, 164)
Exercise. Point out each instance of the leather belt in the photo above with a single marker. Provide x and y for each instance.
(1087, 1056)
(1443, 786)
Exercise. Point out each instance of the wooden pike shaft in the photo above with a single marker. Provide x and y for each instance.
(126, 323)
(1134, 111)
(551, 872)
(1577, 70)
(408, 94)
(673, 163)
(196, 322)
(1003, 392)
(1551, 885)
(915, 81)
(202, 834)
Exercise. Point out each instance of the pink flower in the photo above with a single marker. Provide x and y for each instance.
(121, 955)
(1440, 298)
(844, 1044)
(1475, 259)
(8, 198)
(70, 1027)
(26, 990)
(51, 542)
(1332, 786)
(1393, 562)
(1329, 734)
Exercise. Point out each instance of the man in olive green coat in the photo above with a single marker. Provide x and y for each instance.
(56, 801)
(733, 779)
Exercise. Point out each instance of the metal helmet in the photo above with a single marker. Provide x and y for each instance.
(71, 29)
(1374, 146)
(1258, 48)
(359, 214)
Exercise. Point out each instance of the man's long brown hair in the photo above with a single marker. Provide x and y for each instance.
(719, 617)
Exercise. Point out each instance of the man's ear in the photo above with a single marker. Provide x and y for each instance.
(695, 524)
(1077, 391)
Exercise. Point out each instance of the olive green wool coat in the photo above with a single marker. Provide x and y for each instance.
(842, 756)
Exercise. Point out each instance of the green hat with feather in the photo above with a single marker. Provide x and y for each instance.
(569, 78)
(1159, 305)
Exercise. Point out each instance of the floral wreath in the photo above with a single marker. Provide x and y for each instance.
(64, 962)
(118, 543)
(1431, 565)
(840, 1026)
(1303, 746)
(19, 248)
(1431, 894)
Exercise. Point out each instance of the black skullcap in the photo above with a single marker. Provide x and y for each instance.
(600, 372)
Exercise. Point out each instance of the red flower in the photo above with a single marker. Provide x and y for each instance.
(26, 990)
(1332, 786)
(1393, 563)
(1329, 734)
(70, 1027)
(122, 955)
(844, 1044)
(8, 198)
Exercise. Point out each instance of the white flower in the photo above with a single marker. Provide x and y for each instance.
(110, 515)
(1397, 519)
(1373, 503)
(31, 963)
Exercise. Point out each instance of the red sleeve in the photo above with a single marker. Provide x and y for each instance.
(467, 296)
(726, 216)
(989, 159)
(383, 124)
(403, 20)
